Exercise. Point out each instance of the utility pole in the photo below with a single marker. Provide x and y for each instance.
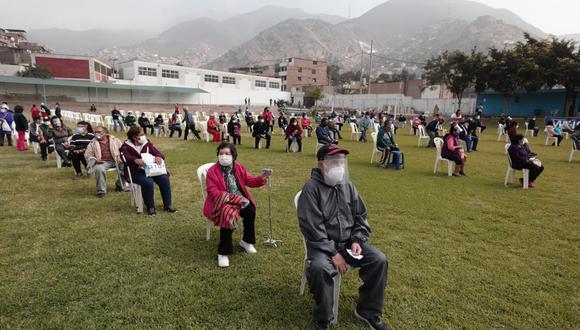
(370, 68)
(362, 52)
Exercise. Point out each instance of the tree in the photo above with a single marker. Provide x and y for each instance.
(457, 70)
(333, 72)
(565, 70)
(316, 93)
(502, 73)
(36, 72)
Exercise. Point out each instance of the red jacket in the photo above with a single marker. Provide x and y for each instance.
(35, 112)
(267, 117)
(291, 130)
(216, 184)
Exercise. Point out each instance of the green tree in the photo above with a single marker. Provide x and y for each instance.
(502, 72)
(456, 70)
(316, 93)
(36, 72)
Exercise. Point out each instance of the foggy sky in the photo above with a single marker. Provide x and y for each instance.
(554, 16)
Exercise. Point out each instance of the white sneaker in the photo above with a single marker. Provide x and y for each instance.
(248, 247)
(223, 261)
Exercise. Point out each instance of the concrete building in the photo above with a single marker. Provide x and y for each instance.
(15, 48)
(527, 104)
(225, 88)
(74, 67)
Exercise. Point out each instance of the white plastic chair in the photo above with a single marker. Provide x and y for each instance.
(336, 279)
(438, 159)
(318, 146)
(422, 135)
(531, 131)
(375, 150)
(293, 146)
(201, 176)
(511, 172)
(574, 150)
(203, 130)
(355, 131)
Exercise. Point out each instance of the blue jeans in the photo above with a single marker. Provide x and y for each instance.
(469, 141)
(147, 188)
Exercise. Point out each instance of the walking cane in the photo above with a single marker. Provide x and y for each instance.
(270, 241)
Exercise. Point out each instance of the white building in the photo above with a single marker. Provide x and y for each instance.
(223, 88)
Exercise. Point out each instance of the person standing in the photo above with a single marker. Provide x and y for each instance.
(44, 111)
(93, 108)
(44, 138)
(333, 221)
(267, 115)
(6, 120)
(57, 111)
(35, 111)
(235, 130)
(364, 125)
(228, 200)
(21, 124)
(189, 125)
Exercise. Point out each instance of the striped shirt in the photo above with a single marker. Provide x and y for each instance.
(79, 141)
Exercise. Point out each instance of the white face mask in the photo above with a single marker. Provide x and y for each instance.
(261, 120)
(225, 160)
(57, 123)
(142, 140)
(334, 175)
(3, 109)
(80, 130)
(98, 136)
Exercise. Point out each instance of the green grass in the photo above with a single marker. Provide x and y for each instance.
(463, 252)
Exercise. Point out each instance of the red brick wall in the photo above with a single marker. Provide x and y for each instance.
(65, 67)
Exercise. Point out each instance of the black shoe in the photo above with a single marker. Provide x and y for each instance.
(77, 176)
(118, 189)
(533, 154)
(151, 212)
(321, 325)
(462, 173)
(374, 323)
(169, 209)
(44, 159)
(101, 194)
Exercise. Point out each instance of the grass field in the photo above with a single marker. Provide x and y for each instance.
(464, 252)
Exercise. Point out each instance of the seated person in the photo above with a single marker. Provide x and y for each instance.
(78, 146)
(532, 126)
(479, 123)
(402, 121)
(159, 124)
(129, 119)
(453, 150)
(132, 149)
(235, 130)
(576, 136)
(333, 129)
(471, 127)
(552, 131)
(213, 129)
(60, 134)
(261, 131)
(521, 158)
(145, 123)
(468, 136)
(293, 133)
(227, 195)
(333, 221)
(323, 133)
(386, 142)
(102, 154)
(306, 126)
(174, 125)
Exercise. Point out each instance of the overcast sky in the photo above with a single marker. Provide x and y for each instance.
(553, 16)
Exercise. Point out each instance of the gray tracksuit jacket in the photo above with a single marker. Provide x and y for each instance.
(331, 217)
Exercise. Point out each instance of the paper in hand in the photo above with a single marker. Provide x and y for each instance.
(359, 257)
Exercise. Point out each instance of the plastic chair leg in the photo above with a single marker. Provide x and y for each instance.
(336, 294)
(208, 230)
(303, 281)
(526, 175)
(449, 168)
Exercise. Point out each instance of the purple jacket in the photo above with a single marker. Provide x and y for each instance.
(131, 155)
(519, 156)
(8, 117)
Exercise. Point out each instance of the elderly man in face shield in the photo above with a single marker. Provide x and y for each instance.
(333, 220)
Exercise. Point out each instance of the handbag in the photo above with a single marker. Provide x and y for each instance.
(151, 167)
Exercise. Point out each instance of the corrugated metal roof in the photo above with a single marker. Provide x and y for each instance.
(80, 83)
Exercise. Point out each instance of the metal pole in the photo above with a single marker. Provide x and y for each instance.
(361, 71)
(271, 240)
(370, 67)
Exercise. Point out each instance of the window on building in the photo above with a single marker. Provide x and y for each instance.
(275, 85)
(299, 78)
(173, 74)
(315, 62)
(260, 83)
(211, 78)
(313, 71)
(313, 80)
(229, 80)
(299, 69)
(284, 78)
(145, 71)
(283, 88)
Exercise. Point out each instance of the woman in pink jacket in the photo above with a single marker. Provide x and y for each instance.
(226, 184)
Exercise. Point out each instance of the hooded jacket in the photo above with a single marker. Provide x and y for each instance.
(331, 217)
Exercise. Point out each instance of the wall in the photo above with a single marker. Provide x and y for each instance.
(400, 102)
(527, 104)
(65, 67)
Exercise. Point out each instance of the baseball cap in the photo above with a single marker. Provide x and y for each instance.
(329, 150)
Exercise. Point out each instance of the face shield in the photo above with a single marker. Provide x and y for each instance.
(335, 169)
